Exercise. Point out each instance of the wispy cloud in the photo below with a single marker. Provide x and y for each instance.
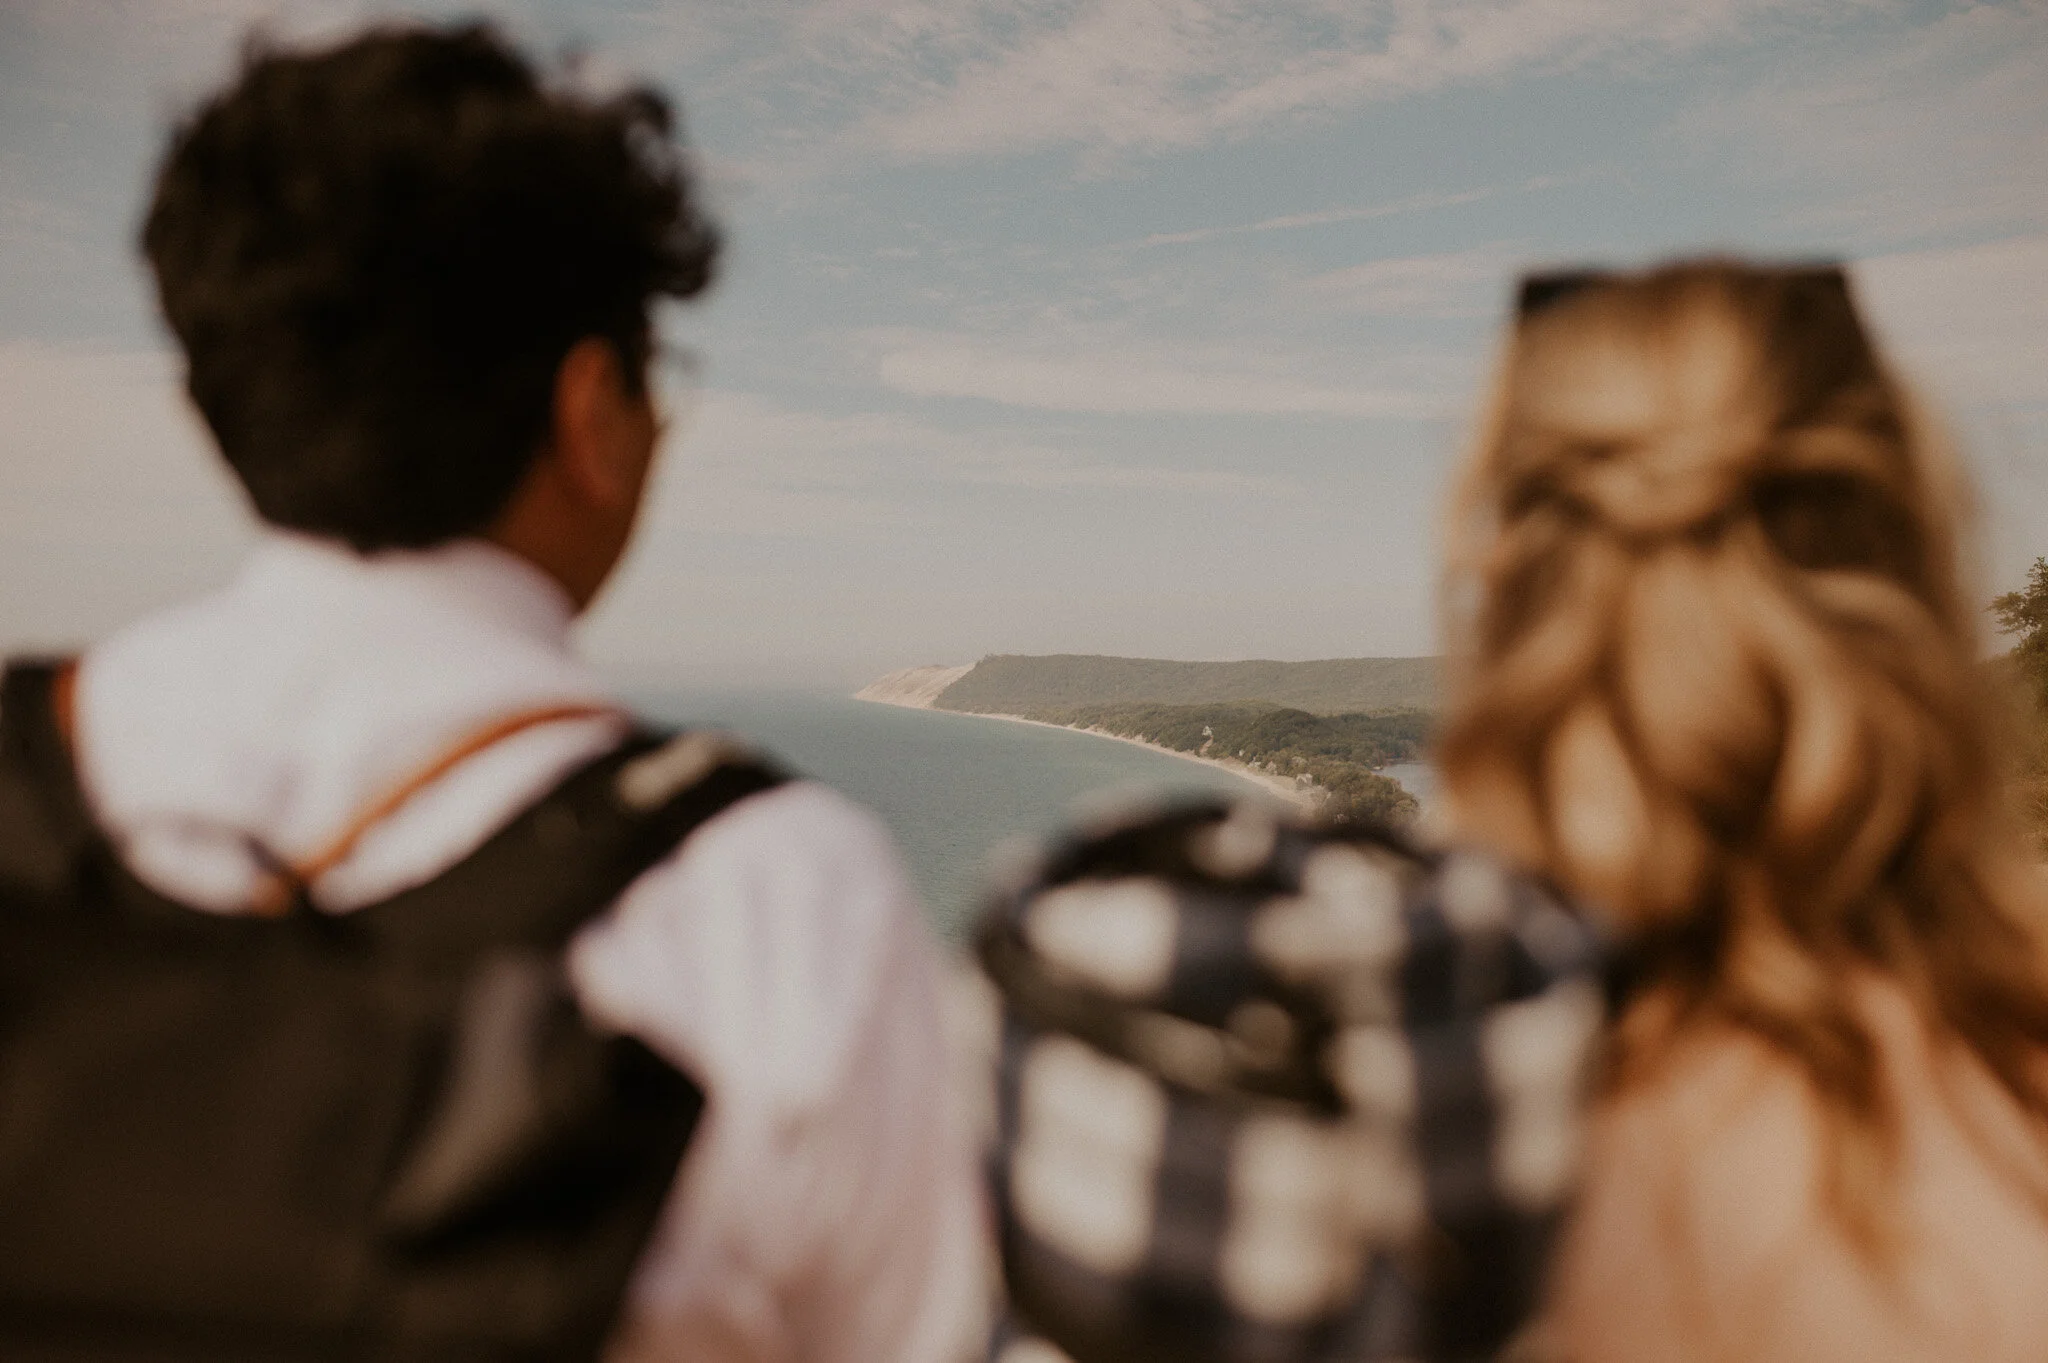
(1414, 203)
(1447, 284)
(185, 45)
(749, 465)
(1044, 469)
(112, 499)
(1969, 329)
(103, 428)
(1117, 76)
(1134, 380)
(1923, 132)
(1971, 321)
(1323, 217)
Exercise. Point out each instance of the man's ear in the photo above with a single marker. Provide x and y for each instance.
(604, 426)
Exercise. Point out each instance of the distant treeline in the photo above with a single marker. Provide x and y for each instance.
(2023, 615)
(1012, 684)
(1334, 754)
(2033, 780)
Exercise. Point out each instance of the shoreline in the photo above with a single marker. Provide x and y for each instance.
(1279, 787)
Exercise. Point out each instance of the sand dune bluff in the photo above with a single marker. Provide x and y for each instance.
(916, 687)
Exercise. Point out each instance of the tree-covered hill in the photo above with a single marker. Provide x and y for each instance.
(1245, 730)
(1332, 757)
(1013, 684)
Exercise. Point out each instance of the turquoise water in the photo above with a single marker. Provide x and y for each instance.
(952, 787)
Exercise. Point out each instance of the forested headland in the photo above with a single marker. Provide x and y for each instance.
(1333, 757)
(1010, 684)
(1324, 726)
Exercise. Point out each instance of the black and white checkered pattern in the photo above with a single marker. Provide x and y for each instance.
(1272, 1093)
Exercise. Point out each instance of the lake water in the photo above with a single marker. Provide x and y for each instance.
(951, 787)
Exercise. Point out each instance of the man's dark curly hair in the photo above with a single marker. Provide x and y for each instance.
(377, 254)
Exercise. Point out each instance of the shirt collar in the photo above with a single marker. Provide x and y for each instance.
(471, 577)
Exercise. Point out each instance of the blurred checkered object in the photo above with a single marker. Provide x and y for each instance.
(1269, 1093)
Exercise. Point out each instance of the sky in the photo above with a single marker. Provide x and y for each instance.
(1146, 327)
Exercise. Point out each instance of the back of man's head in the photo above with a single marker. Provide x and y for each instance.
(376, 256)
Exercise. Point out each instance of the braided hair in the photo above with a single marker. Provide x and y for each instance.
(1718, 674)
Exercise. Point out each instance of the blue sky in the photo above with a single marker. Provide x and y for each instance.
(1131, 326)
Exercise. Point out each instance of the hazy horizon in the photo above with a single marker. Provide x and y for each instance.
(1146, 328)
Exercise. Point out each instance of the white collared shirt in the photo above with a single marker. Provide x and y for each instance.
(828, 1208)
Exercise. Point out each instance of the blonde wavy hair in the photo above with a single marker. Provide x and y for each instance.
(1717, 674)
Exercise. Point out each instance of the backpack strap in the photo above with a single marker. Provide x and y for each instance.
(291, 881)
(552, 867)
(46, 826)
(564, 859)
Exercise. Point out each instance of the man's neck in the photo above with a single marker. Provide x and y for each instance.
(578, 568)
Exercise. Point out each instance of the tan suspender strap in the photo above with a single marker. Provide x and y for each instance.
(64, 701)
(277, 899)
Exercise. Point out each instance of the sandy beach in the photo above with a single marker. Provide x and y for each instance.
(1282, 787)
(919, 692)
